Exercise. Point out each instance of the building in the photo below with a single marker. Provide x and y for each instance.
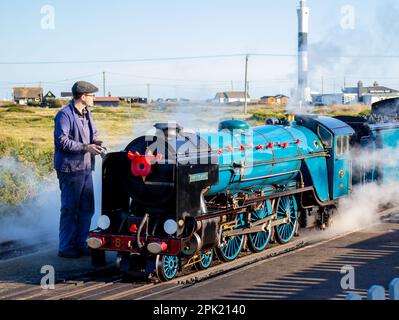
(277, 99)
(231, 97)
(48, 95)
(328, 99)
(106, 102)
(268, 100)
(23, 95)
(128, 99)
(353, 95)
(66, 95)
(282, 99)
(374, 93)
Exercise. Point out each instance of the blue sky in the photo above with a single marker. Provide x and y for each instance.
(121, 29)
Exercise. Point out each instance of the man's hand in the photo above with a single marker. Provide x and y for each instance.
(94, 149)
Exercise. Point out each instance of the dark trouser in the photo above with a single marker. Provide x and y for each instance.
(77, 209)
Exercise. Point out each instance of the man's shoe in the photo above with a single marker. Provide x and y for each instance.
(85, 252)
(71, 254)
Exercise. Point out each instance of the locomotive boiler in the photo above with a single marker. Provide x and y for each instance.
(173, 199)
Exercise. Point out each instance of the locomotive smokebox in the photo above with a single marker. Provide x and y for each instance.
(169, 129)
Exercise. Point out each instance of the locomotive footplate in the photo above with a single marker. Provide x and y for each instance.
(113, 242)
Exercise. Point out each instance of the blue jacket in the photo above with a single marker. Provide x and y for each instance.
(69, 148)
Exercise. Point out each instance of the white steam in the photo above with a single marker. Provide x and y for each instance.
(361, 208)
(36, 216)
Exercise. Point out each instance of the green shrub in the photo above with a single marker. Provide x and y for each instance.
(28, 154)
(55, 103)
(16, 185)
(264, 116)
(34, 104)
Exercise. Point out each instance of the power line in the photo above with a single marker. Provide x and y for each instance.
(122, 60)
(52, 82)
(192, 58)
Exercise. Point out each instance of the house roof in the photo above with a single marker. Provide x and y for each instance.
(27, 93)
(267, 97)
(380, 89)
(106, 99)
(372, 90)
(231, 94)
(50, 94)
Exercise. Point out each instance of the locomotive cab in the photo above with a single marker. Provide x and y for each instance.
(335, 136)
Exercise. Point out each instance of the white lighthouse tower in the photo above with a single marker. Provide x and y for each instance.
(303, 91)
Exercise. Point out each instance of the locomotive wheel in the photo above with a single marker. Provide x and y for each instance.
(166, 267)
(232, 247)
(259, 240)
(286, 206)
(206, 260)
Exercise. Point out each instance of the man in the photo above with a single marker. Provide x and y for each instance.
(76, 145)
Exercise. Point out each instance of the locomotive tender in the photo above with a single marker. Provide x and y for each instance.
(174, 199)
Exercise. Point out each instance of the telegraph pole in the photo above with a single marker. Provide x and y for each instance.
(232, 85)
(246, 85)
(103, 83)
(148, 93)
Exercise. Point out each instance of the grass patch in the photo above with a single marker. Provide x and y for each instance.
(19, 109)
(26, 142)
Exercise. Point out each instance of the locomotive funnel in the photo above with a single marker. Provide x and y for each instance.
(169, 129)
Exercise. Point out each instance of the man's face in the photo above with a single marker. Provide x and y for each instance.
(88, 99)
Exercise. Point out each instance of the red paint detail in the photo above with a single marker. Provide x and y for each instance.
(242, 147)
(285, 145)
(133, 228)
(174, 246)
(259, 147)
(231, 148)
(141, 165)
(298, 141)
(129, 243)
(220, 151)
(279, 144)
(270, 145)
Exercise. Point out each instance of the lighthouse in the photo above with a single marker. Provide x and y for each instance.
(303, 91)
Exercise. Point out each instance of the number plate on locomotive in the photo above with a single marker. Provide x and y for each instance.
(198, 177)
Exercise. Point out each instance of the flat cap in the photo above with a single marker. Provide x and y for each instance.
(82, 87)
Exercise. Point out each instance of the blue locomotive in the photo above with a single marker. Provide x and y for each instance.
(174, 199)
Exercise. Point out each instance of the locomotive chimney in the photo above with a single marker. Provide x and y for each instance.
(169, 129)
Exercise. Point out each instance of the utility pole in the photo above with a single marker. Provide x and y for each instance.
(246, 85)
(232, 85)
(103, 83)
(148, 93)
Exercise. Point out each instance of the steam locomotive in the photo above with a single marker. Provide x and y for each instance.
(175, 199)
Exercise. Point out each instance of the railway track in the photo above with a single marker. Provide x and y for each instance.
(107, 284)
